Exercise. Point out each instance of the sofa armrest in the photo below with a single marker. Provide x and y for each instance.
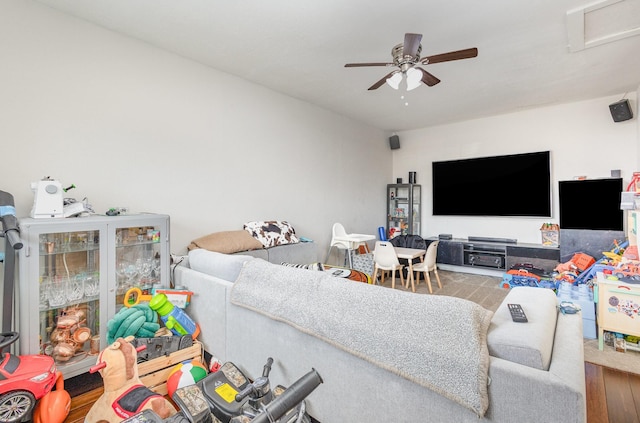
(519, 392)
(208, 307)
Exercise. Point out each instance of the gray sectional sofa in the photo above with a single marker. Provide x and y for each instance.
(299, 253)
(387, 355)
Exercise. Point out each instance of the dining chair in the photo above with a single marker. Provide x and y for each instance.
(385, 259)
(428, 265)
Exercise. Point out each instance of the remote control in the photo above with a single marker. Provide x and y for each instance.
(517, 313)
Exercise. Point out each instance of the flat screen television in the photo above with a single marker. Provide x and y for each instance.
(510, 185)
(591, 204)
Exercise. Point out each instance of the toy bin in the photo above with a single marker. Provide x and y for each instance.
(550, 234)
(154, 373)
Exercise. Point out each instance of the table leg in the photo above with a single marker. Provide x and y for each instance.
(600, 338)
(413, 285)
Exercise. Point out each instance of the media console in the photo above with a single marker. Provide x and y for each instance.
(493, 253)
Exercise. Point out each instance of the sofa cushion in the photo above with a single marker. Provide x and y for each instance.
(227, 242)
(531, 343)
(220, 265)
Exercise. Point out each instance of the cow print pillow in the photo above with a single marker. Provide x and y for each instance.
(272, 232)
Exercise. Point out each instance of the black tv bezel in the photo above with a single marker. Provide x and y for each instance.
(509, 198)
(598, 208)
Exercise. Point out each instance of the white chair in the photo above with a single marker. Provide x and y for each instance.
(428, 265)
(385, 259)
(336, 232)
(341, 240)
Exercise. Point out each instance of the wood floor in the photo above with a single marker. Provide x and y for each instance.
(612, 397)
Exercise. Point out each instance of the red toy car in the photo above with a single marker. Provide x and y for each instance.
(23, 381)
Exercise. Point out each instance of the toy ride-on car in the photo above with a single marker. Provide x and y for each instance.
(23, 381)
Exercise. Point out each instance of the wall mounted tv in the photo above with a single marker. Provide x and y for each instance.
(591, 204)
(511, 185)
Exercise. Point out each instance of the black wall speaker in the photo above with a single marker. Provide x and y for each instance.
(620, 111)
(394, 142)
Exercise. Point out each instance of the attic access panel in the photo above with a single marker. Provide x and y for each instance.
(602, 22)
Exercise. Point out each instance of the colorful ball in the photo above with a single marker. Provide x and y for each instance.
(184, 374)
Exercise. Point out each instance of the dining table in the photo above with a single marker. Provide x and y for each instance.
(410, 254)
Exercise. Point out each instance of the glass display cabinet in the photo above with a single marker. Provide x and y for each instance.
(403, 209)
(73, 277)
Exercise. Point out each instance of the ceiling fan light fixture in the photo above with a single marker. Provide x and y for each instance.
(414, 78)
(394, 80)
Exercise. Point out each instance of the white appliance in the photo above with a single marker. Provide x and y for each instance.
(48, 199)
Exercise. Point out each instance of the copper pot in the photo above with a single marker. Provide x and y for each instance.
(63, 351)
(59, 335)
(82, 335)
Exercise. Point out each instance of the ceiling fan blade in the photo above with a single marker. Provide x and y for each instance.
(427, 78)
(411, 44)
(382, 81)
(452, 55)
(356, 65)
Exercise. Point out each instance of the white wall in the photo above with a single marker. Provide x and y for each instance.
(582, 138)
(131, 125)
(134, 126)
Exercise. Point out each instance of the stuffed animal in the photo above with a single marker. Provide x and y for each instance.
(124, 394)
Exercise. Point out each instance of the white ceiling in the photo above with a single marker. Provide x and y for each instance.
(299, 48)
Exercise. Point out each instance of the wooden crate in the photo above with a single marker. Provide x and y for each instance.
(154, 373)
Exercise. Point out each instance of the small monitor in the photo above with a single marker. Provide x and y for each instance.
(591, 204)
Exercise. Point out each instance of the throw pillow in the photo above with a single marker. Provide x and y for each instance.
(227, 242)
(272, 232)
(311, 266)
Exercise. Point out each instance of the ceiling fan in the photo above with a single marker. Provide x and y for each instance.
(406, 57)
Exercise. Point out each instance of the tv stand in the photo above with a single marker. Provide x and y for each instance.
(494, 255)
(484, 255)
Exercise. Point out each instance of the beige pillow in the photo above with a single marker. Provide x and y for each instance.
(227, 242)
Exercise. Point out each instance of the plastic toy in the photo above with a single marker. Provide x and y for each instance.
(185, 374)
(159, 346)
(628, 272)
(228, 396)
(22, 386)
(139, 321)
(54, 407)
(568, 266)
(178, 297)
(174, 318)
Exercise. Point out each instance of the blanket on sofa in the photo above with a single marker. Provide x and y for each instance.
(436, 341)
